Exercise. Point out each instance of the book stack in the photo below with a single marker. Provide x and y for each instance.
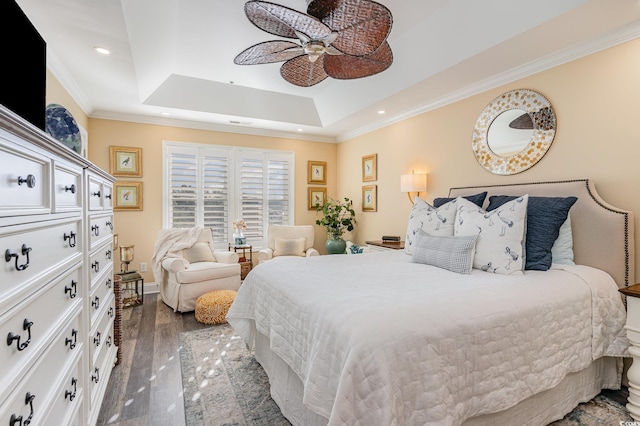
(390, 238)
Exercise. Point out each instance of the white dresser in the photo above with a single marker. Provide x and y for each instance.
(57, 304)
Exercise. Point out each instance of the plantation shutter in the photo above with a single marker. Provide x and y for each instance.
(211, 186)
(183, 170)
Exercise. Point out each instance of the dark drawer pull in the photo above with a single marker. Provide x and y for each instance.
(95, 378)
(72, 395)
(95, 229)
(109, 224)
(110, 312)
(26, 326)
(108, 283)
(73, 290)
(71, 189)
(96, 194)
(95, 266)
(18, 419)
(109, 341)
(96, 340)
(107, 196)
(71, 237)
(73, 340)
(108, 254)
(96, 303)
(25, 252)
(30, 180)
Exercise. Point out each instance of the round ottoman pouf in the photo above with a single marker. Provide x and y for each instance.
(212, 307)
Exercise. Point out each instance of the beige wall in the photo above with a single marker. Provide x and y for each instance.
(598, 137)
(141, 227)
(596, 100)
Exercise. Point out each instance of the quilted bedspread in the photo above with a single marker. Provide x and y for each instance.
(378, 340)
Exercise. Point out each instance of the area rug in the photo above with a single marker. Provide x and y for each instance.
(224, 385)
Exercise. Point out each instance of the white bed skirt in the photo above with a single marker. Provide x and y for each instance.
(540, 409)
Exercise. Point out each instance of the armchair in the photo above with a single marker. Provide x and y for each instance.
(185, 267)
(288, 241)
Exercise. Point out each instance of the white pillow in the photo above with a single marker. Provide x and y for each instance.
(199, 252)
(501, 234)
(452, 253)
(562, 249)
(289, 246)
(434, 221)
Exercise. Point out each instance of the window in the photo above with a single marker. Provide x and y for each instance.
(211, 186)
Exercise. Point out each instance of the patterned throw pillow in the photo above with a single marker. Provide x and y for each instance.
(289, 246)
(452, 253)
(501, 234)
(199, 252)
(434, 221)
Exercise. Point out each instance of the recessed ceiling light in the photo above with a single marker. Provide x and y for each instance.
(300, 130)
(381, 111)
(102, 50)
(165, 113)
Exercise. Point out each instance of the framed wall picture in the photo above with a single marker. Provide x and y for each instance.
(125, 161)
(370, 198)
(128, 196)
(317, 196)
(370, 167)
(317, 172)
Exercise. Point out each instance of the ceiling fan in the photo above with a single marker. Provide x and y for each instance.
(342, 39)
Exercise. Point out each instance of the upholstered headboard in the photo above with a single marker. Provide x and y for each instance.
(603, 235)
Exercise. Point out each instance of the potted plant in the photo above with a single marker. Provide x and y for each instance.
(337, 217)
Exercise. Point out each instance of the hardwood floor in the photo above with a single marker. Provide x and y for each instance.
(145, 388)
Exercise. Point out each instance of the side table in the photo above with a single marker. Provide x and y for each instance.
(132, 288)
(633, 334)
(246, 262)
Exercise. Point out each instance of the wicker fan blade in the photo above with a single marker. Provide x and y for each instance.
(283, 21)
(269, 52)
(302, 72)
(346, 67)
(362, 25)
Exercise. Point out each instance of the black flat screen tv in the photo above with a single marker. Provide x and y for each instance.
(23, 72)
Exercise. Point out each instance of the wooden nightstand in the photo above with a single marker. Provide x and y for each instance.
(246, 262)
(380, 245)
(633, 334)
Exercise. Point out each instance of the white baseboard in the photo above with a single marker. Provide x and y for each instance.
(150, 288)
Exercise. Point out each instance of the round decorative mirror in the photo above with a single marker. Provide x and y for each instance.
(514, 132)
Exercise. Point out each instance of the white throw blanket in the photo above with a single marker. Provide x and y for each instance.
(170, 243)
(378, 340)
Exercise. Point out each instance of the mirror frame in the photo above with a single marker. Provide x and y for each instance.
(544, 122)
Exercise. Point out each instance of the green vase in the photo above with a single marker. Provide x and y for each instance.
(335, 246)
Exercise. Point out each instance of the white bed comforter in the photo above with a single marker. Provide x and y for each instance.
(378, 340)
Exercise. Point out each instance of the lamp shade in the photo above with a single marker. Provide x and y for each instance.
(126, 254)
(413, 182)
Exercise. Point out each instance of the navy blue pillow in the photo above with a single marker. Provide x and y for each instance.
(476, 199)
(545, 216)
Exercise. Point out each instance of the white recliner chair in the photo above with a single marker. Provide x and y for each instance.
(286, 240)
(186, 267)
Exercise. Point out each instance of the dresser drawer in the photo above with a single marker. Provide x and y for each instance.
(100, 370)
(100, 298)
(101, 339)
(24, 181)
(33, 323)
(67, 188)
(99, 261)
(33, 251)
(100, 229)
(35, 391)
(100, 194)
(67, 397)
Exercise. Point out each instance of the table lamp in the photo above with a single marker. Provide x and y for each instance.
(126, 257)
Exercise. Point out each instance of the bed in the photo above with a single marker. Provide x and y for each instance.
(377, 339)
